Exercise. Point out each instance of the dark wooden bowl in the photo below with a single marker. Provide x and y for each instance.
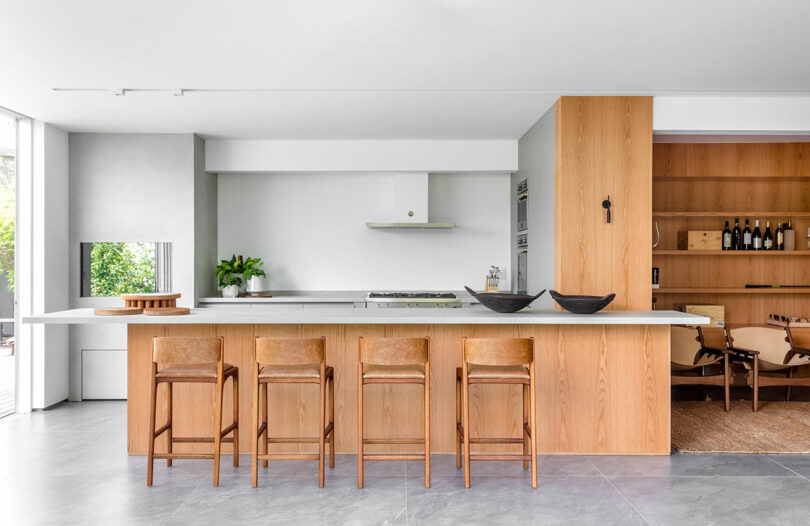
(503, 302)
(582, 304)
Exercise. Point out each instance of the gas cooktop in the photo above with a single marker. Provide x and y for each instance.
(411, 295)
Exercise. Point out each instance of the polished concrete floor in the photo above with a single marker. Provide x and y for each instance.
(68, 466)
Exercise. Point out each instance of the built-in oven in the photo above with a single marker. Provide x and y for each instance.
(522, 205)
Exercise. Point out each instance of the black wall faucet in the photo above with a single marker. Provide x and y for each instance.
(606, 205)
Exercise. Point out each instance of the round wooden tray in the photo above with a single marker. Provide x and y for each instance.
(117, 311)
(167, 311)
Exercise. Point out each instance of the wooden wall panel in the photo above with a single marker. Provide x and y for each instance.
(601, 389)
(603, 146)
(731, 160)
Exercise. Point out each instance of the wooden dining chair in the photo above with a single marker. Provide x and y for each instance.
(694, 351)
(392, 361)
(296, 361)
(776, 357)
(191, 360)
(496, 361)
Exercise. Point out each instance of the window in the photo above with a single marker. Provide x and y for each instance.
(115, 268)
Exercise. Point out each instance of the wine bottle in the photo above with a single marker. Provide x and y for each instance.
(780, 236)
(747, 243)
(726, 238)
(767, 239)
(757, 236)
(736, 235)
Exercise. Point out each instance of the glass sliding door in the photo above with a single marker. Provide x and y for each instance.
(8, 164)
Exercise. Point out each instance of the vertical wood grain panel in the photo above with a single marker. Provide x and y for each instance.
(603, 146)
(600, 390)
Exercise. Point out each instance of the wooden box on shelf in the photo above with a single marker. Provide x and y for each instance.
(715, 313)
(700, 240)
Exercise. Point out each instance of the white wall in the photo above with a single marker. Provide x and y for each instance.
(310, 230)
(731, 114)
(133, 188)
(205, 224)
(360, 156)
(49, 263)
(536, 155)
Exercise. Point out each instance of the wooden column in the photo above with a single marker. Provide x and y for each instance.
(603, 146)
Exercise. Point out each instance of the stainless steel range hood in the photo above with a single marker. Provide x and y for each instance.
(409, 204)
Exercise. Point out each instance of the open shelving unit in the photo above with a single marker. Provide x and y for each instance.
(698, 186)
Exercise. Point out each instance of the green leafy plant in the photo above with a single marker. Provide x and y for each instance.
(253, 268)
(229, 272)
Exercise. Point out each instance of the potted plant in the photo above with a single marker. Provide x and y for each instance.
(255, 275)
(229, 276)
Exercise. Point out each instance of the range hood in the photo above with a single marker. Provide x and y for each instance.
(409, 208)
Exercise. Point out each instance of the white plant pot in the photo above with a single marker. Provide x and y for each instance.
(231, 291)
(257, 284)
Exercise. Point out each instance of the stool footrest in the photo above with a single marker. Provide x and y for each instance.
(229, 429)
(295, 440)
(329, 430)
(393, 441)
(184, 456)
(288, 456)
(500, 457)
(395, 456)
(163, 429)
(198, 440)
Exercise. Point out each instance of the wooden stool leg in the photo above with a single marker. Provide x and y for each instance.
(525, 423)
(255, 437)
(332, 421)
(726, 372)
(458, 422)
(756, 384)
(235, 380)
(533, 427)
(151, 427)
(264, 402)
(427, 425)
(321, 426)
(218, 426)
(787, 390)
(465, 422)
(169, 421)
(359, 424)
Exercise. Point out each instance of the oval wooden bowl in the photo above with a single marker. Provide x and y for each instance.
(582, 304)
(503, 302)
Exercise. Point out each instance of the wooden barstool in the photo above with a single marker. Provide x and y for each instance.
(291, 361)
(392, 361)
(191, 360)
(496, 361)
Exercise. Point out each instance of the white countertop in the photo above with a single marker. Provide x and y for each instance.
(317, 296)
(379, 316)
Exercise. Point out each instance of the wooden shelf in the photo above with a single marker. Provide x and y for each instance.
(732, 214)
(755, 253)
(731, 178)
(731, 290)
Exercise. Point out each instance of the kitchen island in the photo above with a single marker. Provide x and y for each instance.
(602, 380)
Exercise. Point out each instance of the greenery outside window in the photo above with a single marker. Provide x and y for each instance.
(115, 268)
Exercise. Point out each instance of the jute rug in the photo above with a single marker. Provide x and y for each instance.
(778, 427)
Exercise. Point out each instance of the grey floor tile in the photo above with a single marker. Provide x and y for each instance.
(45, 500)
(491, 500)
(692, 465)
(290, 502)
(549, 465)
(719, 500)
(798, 463)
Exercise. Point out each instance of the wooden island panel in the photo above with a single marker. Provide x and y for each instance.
(601, 389)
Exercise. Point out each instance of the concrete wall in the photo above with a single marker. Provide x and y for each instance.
(310, 230)
(536, 159)
(133, 188)
(360, 156)
(205, 224)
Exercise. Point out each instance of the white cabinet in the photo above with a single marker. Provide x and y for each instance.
(104, 374)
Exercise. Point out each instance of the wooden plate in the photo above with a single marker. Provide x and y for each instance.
(117, 311)
(167, 311)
